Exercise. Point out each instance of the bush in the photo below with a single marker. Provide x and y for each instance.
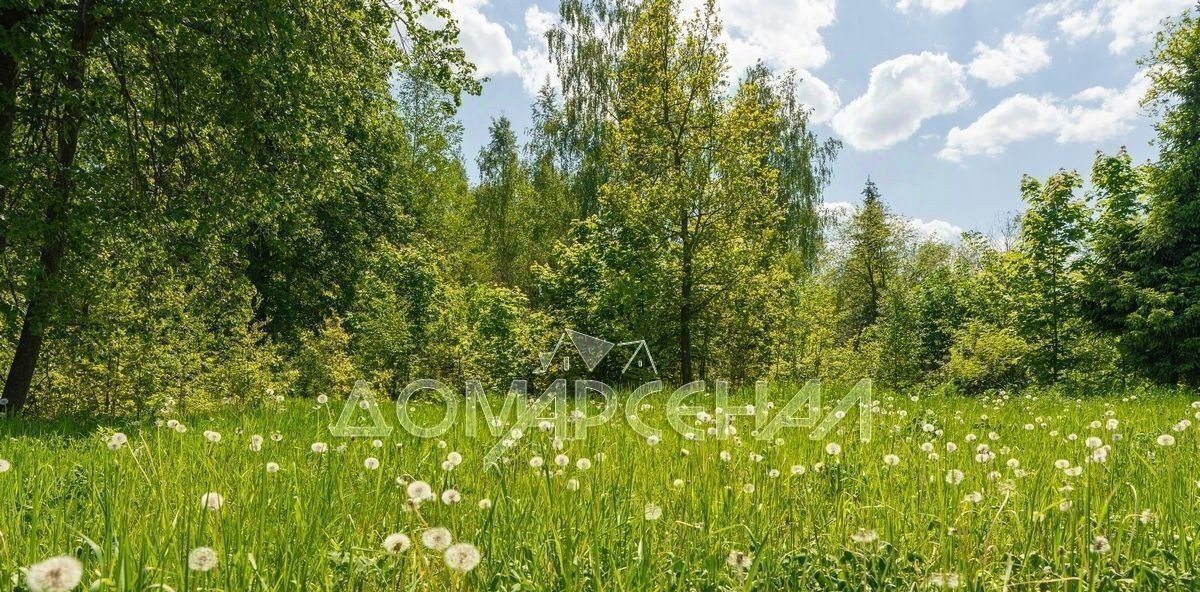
(323, 364)
(986, 357)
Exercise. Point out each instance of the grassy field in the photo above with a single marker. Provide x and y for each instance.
(987, 494)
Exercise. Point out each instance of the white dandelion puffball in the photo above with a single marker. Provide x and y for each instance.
(5, 466)
(833, 449)
(1062, 464)
(436, 538)
(396, 543)
(117, 440)
(798, 470)
(1093, 442)
(256, 442)
(485, 504)
(57, 574)
(536, 462)
(202, 559)
(371, 463)
(171, 423)
(653, 440)
(322, 399)
(573, 485)
(180, 428)
(1100, 546)
(562, 460)
(451, 497)
(212, 501)
(272, 467)
(462, 557)
(739, 560)
(1166, 440)
(319, 447)
(454, 458)
(891, 460)
(212, 436)
(954, 476)
(653, 512)
(583, 464)
(419, 491)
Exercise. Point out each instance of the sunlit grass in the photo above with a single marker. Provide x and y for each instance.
(784, 514)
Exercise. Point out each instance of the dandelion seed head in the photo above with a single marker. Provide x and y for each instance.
(202, 559)
(57, 574)
(462, 557)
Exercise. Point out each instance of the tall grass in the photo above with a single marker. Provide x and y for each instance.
(849, 521)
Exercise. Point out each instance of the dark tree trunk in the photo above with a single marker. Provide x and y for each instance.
(43, 292)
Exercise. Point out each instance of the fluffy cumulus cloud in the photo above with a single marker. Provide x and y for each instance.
(489, 47)
(536, 67)
(1126, 23)
(935, 230)
(901, 95)
(934, 6)
(1093, 115)
(1016, 56)
(784, 34)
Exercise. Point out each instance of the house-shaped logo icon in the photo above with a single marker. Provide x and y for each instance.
(591, 351)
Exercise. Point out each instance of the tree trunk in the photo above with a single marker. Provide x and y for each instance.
(685, 309)
(43, 292)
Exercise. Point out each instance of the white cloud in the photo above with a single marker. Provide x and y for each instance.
(901, 95)
(486, 43)
(935, 230)
(1129, 22)
(1093, 115)
(536, 67)
(934, 6)
(1017, 56)
(784, 34)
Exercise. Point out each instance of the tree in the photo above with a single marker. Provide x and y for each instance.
(1148, 240)
(871, 263)
(499, 203)
(1046, 264)
(186, 132)
(690, 192)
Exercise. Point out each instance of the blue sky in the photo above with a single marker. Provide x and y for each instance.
(944, 103)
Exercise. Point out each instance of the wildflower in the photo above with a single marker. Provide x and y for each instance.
(944, 580)
(974, 497)
(396, 543)
(276, 437)
(927, 447)
(748, 488)
(891, 460)
(179, 427)
(1146, 517)
(677, 483)
(171, 423)
(773, 473)
(954, 477)
(447, 466)
(451, 497)
(726, 456)
(1100, 546)
(57, 574)
(536, 462)
(653, 512)
(1166, 440)
(436, 538)
(319, 447)
(798, 470)
(739, 560)
(864, 536)
(485, 504)
(833, 449)
(212, 501)
(562, 460)
(1065, 506)
(377, 443)
(573, 484)
(1094, 442)
(1062, 464)
(256, 442)
(419, 491)
(117, 440)
(462, 557)
(454, 458)
(5, 466)
(583, 464)
(212, 436)
(202, 559)
(652, 440)
(951, 447)
(1073, 471)
(272, 467)
(371, 463)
